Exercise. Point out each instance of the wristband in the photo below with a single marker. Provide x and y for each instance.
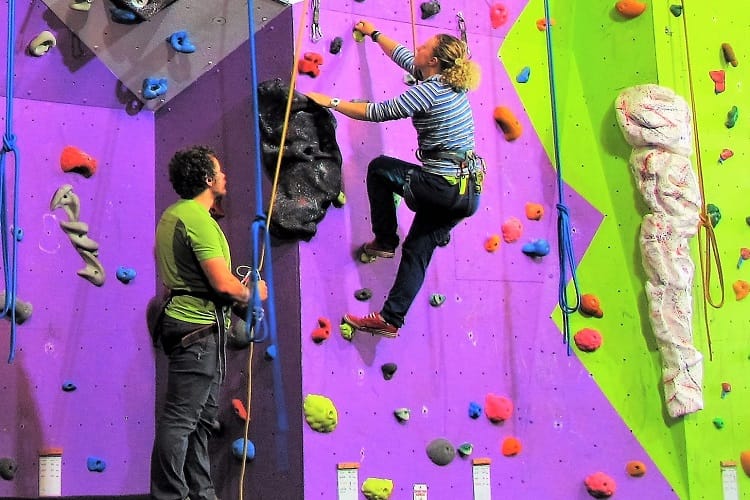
(375, 35)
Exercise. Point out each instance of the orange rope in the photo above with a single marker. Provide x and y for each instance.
(711, 255)
(413, 27)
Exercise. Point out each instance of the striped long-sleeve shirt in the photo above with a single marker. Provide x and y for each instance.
(441, 115)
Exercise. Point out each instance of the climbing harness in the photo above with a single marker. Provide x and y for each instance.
(315, 33)
(566, 256)
(711, 254)
(10, 250)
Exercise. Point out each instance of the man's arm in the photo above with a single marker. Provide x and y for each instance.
(223, 281)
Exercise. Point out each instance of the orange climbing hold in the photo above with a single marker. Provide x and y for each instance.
(719, 78)
(635, 468)
(534, 211)
(73, 159)
(310, 64)
(239, 409)
(323, 331)
(541, 24)
(745, 461)
(492, 243)
(508, 123)
(630, 8)
(741, 289)
(590, 305)
(511, 446)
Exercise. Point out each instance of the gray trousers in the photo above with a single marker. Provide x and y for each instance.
(180, 465)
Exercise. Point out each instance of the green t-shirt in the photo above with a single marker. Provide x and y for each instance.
(185, 236)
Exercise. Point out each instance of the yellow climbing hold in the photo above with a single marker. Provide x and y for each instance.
(320, 413)
(377, 489)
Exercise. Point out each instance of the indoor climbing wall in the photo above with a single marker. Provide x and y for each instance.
(493, 335)
(82, 378)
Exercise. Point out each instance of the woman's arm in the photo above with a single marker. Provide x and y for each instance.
(386, 43)
(356, 110)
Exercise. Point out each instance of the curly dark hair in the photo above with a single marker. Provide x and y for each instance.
(189, 169)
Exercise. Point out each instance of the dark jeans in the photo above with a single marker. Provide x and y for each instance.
(180, 466)
(438, 207)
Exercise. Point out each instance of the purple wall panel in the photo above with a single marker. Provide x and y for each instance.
(494, 333)
(217, 111)
(92, 336)
(68, 73)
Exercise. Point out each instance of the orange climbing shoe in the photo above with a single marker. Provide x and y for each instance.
(373, 323)
(375, 249)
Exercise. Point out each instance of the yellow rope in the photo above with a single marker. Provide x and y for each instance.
(711, 255)
(413, 27)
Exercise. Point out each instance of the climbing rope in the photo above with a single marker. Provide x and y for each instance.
(566, 256)
(10, 257)
(711, 255)
(412, 9)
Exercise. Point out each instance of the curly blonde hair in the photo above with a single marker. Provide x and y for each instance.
(458, 71)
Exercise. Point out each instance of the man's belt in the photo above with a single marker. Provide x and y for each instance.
(196, 335)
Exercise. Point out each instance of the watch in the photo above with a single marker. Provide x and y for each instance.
(335, 101)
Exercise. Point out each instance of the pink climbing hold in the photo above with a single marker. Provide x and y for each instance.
(600, 485)
(588, 340)
(497, 408)
(512, 230)
(498, 15)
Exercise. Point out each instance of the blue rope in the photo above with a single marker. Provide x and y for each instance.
(10, 261)
(567, 259)
(260, 235)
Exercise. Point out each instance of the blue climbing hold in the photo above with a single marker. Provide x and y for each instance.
(271, 352)
(237, 447)
(96, 464)
(125, 274)
(537, 248)
(154, 87)
(523, 76)
(68, 386)
(124, 16)
(180, 41)
(474, 410)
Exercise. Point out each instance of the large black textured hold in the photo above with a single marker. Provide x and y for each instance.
(310, 176)
(144, 10)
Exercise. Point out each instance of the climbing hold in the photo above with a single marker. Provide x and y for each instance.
(718, 422)
(508, 123)
(630, 8)
(437, 299)
(430, 8)
(536, 248)
(68, 386)
(498, 15)
(336, 44)
(271, 352)
(474, 410)
(732, 116)
(8, 468)
(635, 468)
(238, 446)
(465, 449)
(600, 485)
(346, 330)
(323, 331)
(358, 35)
(124, 16)
(441, 451)
(729, 56)
(512, 230)
(676, 10)
(125, 274)
(154, 87)
(77, 232)
(744, 461)
(741, 289)
(81, 5)
(588, 340)
(340, 200)
(523, 75)
(320, 413)
(402, 414)
(725, 155)
(744, 255)
(719, 79)
(237, 336)
(180, 41)
(75, 160)
(95, 464)
(23, 309)
(726, 388)
(363, 294)
(310, 64)
(497, 408)
(375, 488)
(388, 370)
(511, 446)
(492, 243)
(714, 214)
(239, 409)
(541, 24)
(94, 271)
(590, 306)
(41, 44)
(65, 197)
(534, 211)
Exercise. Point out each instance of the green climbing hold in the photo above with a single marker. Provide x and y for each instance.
(437, 299)
(346, 331)
(718, 423)
(320, 413)
(402, 414)
(676, 10)
(375, 488)
(465, 449)
(732, 116)
(714, 214)
(340, 200)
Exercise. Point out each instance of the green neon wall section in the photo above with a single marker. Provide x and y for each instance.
(597, 54)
